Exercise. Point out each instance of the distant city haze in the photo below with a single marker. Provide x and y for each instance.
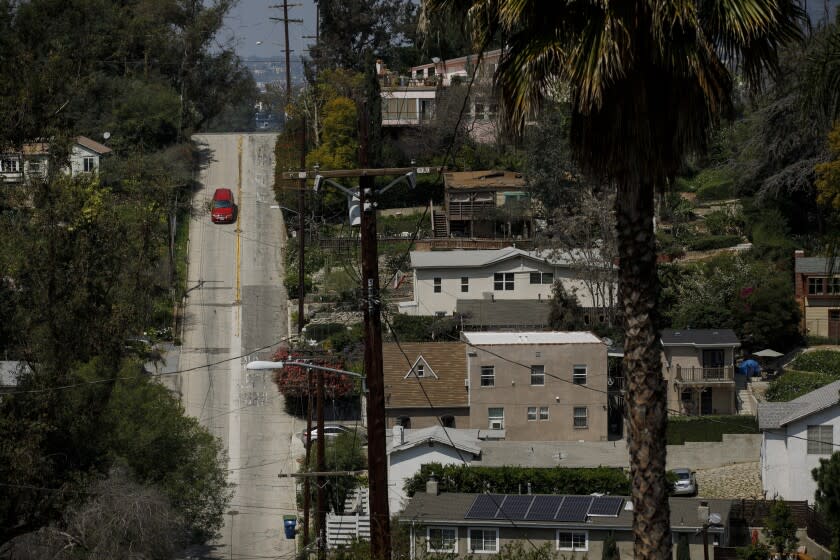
(249, 23)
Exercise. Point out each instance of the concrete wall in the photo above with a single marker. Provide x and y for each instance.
(402, 465)
(785, 463)
(735, 448)
(514, 393)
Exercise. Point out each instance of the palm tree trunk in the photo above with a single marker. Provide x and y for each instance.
(646, 397)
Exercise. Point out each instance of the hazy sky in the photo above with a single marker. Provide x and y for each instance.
(249, 22)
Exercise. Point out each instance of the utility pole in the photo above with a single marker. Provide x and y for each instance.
(320, 481)
(380, 532)
(286, 21)
(301, 232)
(307, 486)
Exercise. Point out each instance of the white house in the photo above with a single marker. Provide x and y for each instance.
(408, 450)
(441, 278)
(32, 160)
(796, 435)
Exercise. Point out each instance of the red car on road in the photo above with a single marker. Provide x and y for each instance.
(223, 210)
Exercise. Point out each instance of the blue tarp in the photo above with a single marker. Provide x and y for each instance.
(750, 367)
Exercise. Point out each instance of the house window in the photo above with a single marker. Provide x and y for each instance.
(532, 413)
(496, 418)
(580, 420)
(447, 421)
(465, 284)
(488, 376)
(438, 286)
(420, 370)
(88, 164)
(833, 286)
(579, 375)
(542, 278)
(820, 440)
(440, 313)
(503, 281)
(537, 375)
(35, 167)
(10, 165)
(572, 540)
(815, 286)
(543, 413)
(442, 539)
(484, 540)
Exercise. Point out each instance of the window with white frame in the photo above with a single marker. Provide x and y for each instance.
(420, 370)
(442, 539)
(537, 413)
(579, 375)
(488, 376)
(572, 540)
(503, 281)
(484, 540)
(465, 284)
(496, 418)
(821, 440)
(437, 285)
(89, 164)
(532, 413)
(543, 413)
(580, 417)
(10, 165)
(537, 375)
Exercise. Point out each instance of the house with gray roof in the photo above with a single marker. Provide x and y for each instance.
(796, 435)
(699, 367)
(817, 291)
(571, 527)
(442, 278)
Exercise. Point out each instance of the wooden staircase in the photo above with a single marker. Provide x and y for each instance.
(439, 224)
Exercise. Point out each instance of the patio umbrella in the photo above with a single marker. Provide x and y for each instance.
(768, 353)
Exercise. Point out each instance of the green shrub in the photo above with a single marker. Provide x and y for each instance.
(710, 242)
(708, 428)
(819, 361)
(713, 184)
(513, 480)
(322, 331)
(291, 283)
(794, 384)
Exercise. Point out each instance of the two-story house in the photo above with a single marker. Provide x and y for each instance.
(796, 435)
(484, 204)
(443, 278)
(699, 366)
(32, 161)
(817, 291)
(538, 385)
(425, 384)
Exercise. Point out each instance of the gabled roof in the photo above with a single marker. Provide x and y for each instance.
(463, 440)
(460, 258)
(699, 337)
(815, 265)
(777, 414)
(449, 361)
(534, 337)
(92, 145)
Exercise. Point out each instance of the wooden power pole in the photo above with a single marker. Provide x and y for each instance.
(320, 481)
(286, 21)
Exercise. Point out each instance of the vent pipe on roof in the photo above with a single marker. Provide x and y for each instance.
(432, 486)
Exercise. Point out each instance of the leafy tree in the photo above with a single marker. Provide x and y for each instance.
(827, 497)
(828, 173)
(642, 98)
(410, 328)
(342, 453)
(780, 528)
(566, 313)
(759, 551)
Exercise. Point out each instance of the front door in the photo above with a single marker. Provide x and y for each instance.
(834, 324)
(706, 401)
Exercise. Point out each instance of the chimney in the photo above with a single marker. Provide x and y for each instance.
(799, 253)
(703, 512)
(432, 486)
(399, 435)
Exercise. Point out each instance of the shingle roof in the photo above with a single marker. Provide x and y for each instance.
(450, 507)
(93, 145)
(465, 440)
(490, 179)
(460, 258)
(699, 337)
(776, 415)
(535, 337)
(503, 312)
(444, 389)
(815, 265)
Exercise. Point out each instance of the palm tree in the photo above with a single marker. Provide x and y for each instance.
(645, 80)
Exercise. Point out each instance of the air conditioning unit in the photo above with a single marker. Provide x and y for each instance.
(496, 425)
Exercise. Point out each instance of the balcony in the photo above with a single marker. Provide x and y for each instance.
(705, 375)
(471, 210)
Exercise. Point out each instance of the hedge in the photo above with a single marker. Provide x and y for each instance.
(708, 428)
(514, 480)
(710, 242)
(793, 384)
(818, 361)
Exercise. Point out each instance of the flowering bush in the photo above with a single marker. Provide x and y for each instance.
(292, 381)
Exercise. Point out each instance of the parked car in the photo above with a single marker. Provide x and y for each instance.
(685, 482)
(330, 431)
(223, 210)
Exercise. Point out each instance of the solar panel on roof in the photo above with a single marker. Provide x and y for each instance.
(544, 508)
(607, 506)
(514, 507)
(574, 509)
(485, 506)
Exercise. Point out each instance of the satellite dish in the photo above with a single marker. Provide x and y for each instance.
(106, 135)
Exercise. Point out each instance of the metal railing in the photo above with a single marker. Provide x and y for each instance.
(693, 374)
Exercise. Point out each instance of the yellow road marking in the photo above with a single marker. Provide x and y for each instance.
(238, 214)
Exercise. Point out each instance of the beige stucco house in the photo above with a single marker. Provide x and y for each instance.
(538, 386)
(699, 367)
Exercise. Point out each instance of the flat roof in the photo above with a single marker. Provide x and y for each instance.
(535, 337)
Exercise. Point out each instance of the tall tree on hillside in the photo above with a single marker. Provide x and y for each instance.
(646, 81)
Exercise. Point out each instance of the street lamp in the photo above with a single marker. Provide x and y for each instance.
(306, 365)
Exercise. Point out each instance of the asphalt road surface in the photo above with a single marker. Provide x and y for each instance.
(236, 311)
